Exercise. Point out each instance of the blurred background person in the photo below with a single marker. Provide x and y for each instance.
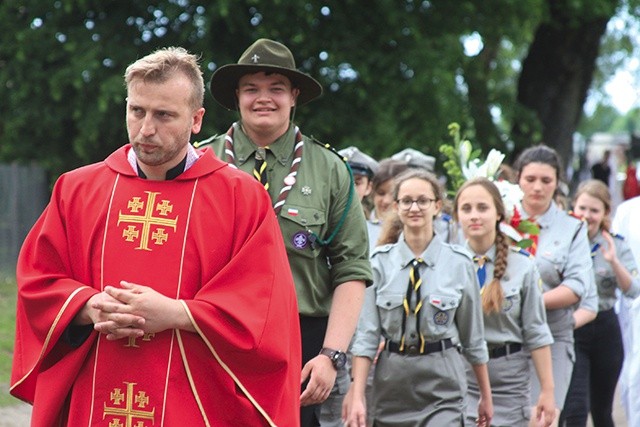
(382, 185)
(602, 170)
(599, 345)
(364, 167)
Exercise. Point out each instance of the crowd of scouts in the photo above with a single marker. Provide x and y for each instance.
(463, 327)
(438, 321)
(447, 280)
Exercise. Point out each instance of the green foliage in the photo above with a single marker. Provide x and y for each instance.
(394, 73)
(7, 333)
(452, 165)
(524, 243)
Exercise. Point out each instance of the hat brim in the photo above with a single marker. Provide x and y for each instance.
(224, 82)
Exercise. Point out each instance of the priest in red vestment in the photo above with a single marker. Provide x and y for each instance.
(155, 289)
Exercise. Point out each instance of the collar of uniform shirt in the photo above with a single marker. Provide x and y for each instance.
(429, 255)
(281, 148)
(490, 256)
(547, 218)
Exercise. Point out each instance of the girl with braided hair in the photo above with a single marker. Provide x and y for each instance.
(514, 314)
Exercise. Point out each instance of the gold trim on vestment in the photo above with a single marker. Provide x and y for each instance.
(48, 338)
(223, 365)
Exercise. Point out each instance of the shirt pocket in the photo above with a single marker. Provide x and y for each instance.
(300, 227)
(551, 266)
(605, 279)
(440, 310)
(390, 309)
(512, 302)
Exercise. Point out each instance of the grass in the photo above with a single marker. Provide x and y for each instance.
(7, 333)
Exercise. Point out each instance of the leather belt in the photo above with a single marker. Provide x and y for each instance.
(504, 350)
(414, 349)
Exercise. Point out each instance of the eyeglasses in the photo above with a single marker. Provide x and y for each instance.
(422, 202)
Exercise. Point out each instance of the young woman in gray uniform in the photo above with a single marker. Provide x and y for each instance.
(599, 351)
(514, 314)
(562, 255)
(424, 299)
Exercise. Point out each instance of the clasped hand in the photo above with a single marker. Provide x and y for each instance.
(130, 311)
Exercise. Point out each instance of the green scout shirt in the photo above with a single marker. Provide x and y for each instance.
(315, 203)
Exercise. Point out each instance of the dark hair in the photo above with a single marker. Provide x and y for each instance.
(392, 226)
(492, 296)
(388, 169)
(540, 154)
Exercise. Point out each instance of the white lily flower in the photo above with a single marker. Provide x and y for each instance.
(493, 162)
(471, 170)
(465, 151)
(511, 196)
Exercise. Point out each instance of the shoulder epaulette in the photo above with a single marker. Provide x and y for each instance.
(616, 235)
(575, 215)
(328, 147)
(200, 144)
(520, 251)
(382, 248)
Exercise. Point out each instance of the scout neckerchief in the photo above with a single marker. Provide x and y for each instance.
(482, 268)
(260, 168)
(414, 287)
(289, 180)
(594, 250)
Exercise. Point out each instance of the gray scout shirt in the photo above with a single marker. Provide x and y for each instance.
(563, 257)
(522, 318)
(605, 277)
(450, 297)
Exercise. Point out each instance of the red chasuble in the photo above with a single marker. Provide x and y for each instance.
(209, 238)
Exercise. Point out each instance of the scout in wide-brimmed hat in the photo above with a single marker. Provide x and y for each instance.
(263, 55)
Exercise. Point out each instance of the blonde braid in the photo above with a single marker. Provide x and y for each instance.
(493, 296)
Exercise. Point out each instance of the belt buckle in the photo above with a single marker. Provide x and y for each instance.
(412, 350)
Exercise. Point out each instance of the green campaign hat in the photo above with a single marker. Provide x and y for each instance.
(263, 55)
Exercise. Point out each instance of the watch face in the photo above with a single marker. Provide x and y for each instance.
(339, 359)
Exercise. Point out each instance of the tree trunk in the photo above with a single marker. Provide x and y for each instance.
(476, 73)
(557, 73)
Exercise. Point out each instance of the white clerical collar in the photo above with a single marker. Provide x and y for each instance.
(192, 157)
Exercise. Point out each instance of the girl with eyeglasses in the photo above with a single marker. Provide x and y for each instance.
(425, 302)
(514, 315)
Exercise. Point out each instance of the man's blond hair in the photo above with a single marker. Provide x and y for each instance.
(159, 66)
